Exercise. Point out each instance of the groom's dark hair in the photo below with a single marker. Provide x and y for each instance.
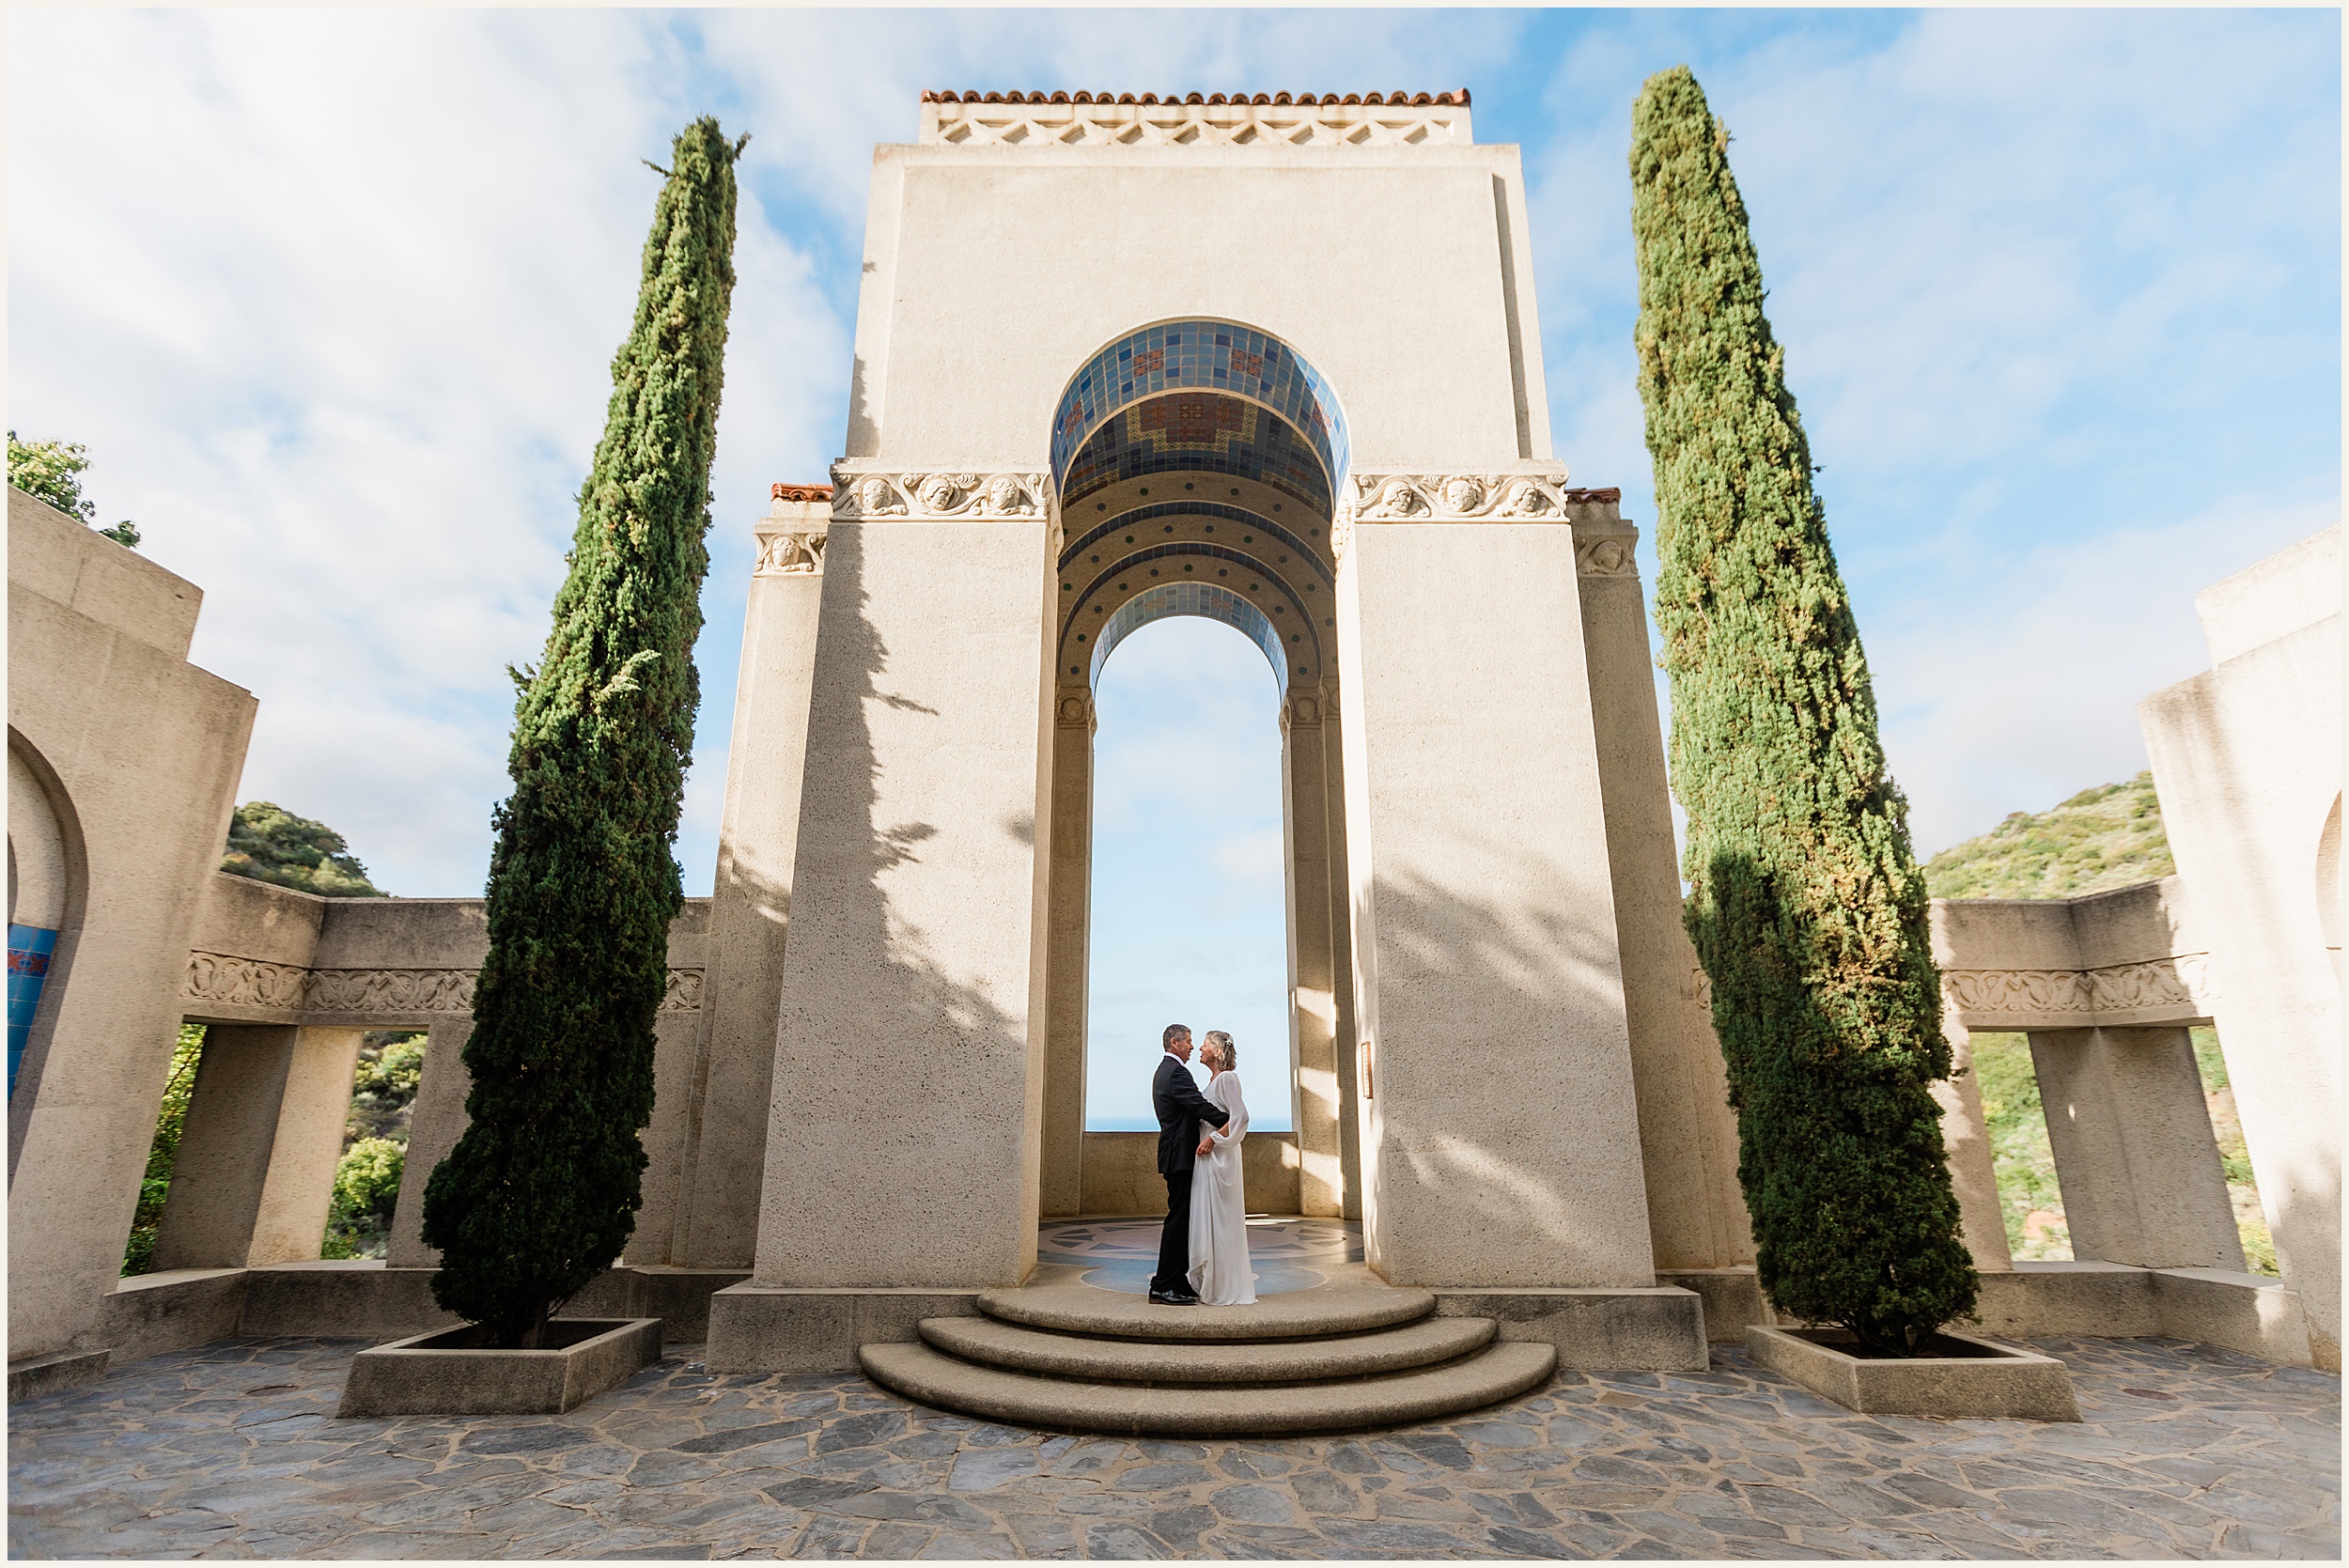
(1173, 1031)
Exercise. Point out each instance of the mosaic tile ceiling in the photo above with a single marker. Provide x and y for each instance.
(1191, 598)
(1275, 600)
(1209, 356)
(1089, 548)
(1231, 411)
(1197, 432)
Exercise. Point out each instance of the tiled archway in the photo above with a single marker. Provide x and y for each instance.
(1196, 464)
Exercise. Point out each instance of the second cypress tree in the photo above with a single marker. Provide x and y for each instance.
(1806, 904)
(541, 1193)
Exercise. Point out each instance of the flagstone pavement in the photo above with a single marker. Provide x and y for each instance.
(231, 1451)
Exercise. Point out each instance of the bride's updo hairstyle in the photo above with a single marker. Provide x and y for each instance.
(1222, 1044)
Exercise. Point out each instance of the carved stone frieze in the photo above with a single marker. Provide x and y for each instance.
(940, 495)
(1075, 710)
(1457, 497)
(1608, 556)
(223, 979)
(244, 981)
(389, 991)
(1465, 497)
(790, 556)
(2181, 985)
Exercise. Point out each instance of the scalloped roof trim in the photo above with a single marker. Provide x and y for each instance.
(1457, 99)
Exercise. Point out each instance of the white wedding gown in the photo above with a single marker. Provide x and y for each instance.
(1219, 1207)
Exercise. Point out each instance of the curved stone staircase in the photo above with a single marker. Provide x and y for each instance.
(1345, 1355)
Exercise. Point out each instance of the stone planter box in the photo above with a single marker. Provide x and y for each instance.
(446, 1372)
(1975, 1378)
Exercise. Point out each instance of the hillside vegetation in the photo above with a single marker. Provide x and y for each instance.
(2106, 837)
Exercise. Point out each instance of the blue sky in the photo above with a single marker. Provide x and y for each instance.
(332, 294)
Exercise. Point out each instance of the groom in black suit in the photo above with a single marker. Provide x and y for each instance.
(1176, 1096)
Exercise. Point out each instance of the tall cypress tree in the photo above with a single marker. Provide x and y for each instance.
(1806, 904)
(541, 1193)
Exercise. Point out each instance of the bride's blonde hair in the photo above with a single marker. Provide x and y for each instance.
(1223, 1047)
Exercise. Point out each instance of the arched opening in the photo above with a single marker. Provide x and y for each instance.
(1188, 917)
(1196, 464)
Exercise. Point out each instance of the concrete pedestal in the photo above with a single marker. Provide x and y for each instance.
(1499, 1145)
(255, 1176)
(725, 1136)
(907, 1106)
(2134, 1153)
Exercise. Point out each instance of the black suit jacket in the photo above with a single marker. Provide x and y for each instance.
(1175, 1095)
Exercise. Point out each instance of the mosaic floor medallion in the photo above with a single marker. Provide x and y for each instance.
(1125, 1252)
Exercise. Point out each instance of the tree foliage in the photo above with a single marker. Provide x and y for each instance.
(2108, 836)
(383, 1090)
(138, 1252)
(52, 470)
(270, 844)
(1805, 903)
(541, 1191)
(366, 1189)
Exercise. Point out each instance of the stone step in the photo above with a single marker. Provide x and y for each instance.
(922, 1373)
(1305, 1314)
(1051, 1354)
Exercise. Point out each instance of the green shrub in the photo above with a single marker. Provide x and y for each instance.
(383, 1090)
(270, 844)
(2108, 836)
(138, 1253)
(366, 1191)
(1805, 903)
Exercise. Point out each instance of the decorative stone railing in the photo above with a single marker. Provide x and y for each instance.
(2122, 958)
(267, 955)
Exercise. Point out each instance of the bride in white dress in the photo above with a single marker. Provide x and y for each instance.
(1219, 1209)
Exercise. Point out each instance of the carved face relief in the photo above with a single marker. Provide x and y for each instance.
(1462, 493)
(1525, 500)
(875, 496)
(1004, 495)
(1400, 499)
(939, 492)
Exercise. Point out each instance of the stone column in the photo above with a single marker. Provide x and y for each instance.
(725, 1134)
(1687, 1132)
(1965, 1145)
(2134, 1152)
(254, 1173)
(905, 1117)
(1312, 1005)
(434, 1126)
(1342, 954)
(1062, 1190)
(1501, 1145)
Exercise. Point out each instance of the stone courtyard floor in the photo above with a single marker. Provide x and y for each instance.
(231, 1451)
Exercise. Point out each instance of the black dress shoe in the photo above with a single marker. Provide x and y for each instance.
(1172, 1299)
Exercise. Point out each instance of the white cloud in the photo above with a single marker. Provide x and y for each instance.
(2030, 693)
(332, 296)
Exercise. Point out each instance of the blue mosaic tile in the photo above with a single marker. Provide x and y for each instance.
(1215, 355)
(30, 948)
(1127, 521)
(1294, 647)
(1191, 432)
